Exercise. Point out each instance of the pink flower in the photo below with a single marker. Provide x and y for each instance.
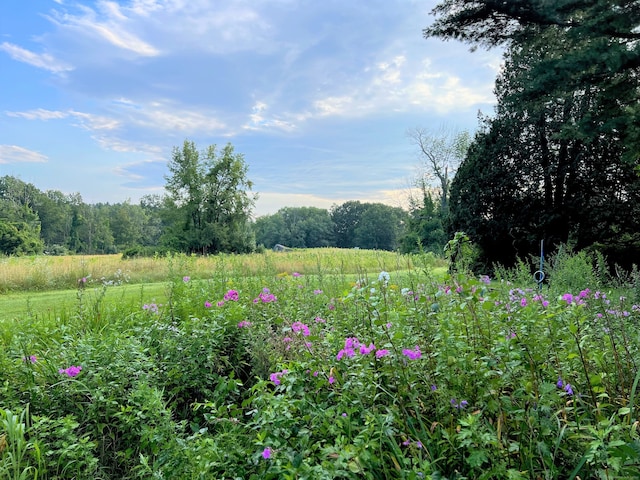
(71, 371)
(382, 353)
(266, 453)
(231, 295)
(331, 380)
(412, 354)
(207, 304)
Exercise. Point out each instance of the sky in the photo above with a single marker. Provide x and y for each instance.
(318, 96)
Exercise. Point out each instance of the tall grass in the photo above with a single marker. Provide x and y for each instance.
(40, 273)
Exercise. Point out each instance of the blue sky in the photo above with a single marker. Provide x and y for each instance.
(317, 95)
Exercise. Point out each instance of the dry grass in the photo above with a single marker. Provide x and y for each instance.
(42, 273)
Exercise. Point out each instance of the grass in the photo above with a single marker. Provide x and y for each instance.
(331, 373)
(44, 273)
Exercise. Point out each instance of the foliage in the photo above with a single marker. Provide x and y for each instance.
(309, 375)
(208, 204)
(295, 227)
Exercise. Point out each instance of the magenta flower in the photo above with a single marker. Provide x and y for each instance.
(207, 304)
(275, 377)
(71, 371)
(567, 297)
(30, 358)
(266, 453)
(220, 303)
(332, 380)
(300, 327)
(296, 274)
(412, 354)
(383, 352)
(244, 324)
(523, 302)
(185, 279)
(232, 295)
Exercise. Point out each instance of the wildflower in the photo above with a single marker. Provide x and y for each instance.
(317, 291)
(30, 358)
(82, 280)
(231, 295)
(364, 350)
(266, 453)
(523, 302)
(244, 323)
(412, 354)
(459, 289)
(286, 339)
(220, 303)
(567, 297)
(459, 406)
(331, 380)
(296, 274)
(389, 325)
(433, 388)
(419, 444)
(406, 443)
(275, 377)
(300, 327)
(384, 277)
(71, 371)
(207, 304)
(320, 320)
(331, 306)
(568, 389)
(344, 414)
(186, 279)
(485, 279)
(151, 307)
(383, 352)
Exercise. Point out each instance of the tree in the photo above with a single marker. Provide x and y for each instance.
(551, 165)
(440, 153)
(425, 229)
(596, 45)
(380, 227)
(346, 218)
(209, 204)
(301, 227)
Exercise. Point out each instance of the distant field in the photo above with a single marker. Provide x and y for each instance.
(48, 286)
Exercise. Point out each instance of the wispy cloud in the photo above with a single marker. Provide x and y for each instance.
(39, 60)
(110, 24)
(89, 121)
(16, 154)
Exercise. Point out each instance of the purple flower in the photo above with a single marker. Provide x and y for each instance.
(568, 389)
(207, 304)
(331, 306)
(231, 295)
(412, 354)
(300, 327)
(71, 371)
(364, 350)
(275, 377)
(331, 380)
(244, 323)
(295, 274)
(317, 292)
(383, 352)
(567, 297)
(320, 320)
(30, 358)
(220, 303)
(419, 444)
(185, 279)
(523, 302)
(559, 383)
(266, 453)
(344, 414)
(433, 388)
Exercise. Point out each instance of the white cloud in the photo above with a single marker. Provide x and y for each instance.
(116, 28)
(39, 60)
(258, 120)
(16, 154)
(88, 121)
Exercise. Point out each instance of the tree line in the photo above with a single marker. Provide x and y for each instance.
(206, 209)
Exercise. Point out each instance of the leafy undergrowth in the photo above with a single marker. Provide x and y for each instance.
(300, 378)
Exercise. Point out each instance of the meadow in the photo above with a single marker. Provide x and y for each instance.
(318, 364)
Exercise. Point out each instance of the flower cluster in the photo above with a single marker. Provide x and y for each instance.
(244, 324)
(150, 307)
(300, 327)
(351, 345)
(231, 295)
(565, 386)
(30, 358)
(71, 371)
(414, 354)
(265, 296)
(459, 406)
(275, 377)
